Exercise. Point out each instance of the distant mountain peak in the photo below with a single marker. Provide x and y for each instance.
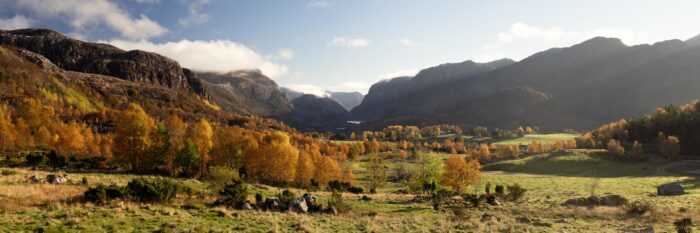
(695, 41)
(604, 42)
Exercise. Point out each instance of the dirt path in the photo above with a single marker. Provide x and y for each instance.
(661, 170)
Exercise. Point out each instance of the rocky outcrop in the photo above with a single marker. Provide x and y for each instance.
(246, 92)
(96, 58)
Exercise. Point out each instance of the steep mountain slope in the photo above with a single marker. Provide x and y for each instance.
(87, 57)
(348, 100)
(312, 113)
(246, 92)
(590, 83)
(403, 96)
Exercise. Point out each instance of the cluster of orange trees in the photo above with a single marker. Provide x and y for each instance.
(135, 141)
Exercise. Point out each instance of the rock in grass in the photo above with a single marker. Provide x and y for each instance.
(670, 189)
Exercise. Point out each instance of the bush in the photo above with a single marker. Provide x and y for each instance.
(684, 225)
(609, 200)
(221, 175)
(336, 201)
(338, 186)
(35, 159)
(355, 190)
(500, 190)
(154, 190)
(286, 196)
(8, 172)
(234, 194)
(639, 208)
(98, 194)
(85, 181)
(515, 192)
(101, 194)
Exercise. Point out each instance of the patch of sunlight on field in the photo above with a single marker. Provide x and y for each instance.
(541, 138)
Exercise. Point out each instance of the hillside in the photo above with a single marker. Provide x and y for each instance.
(246, 92)
(579, 83)
(312, 113)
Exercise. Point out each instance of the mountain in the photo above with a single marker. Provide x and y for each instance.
(348, 100)
(246, 92)
(596, 81)
(313, 113)
(403, 96)
(95, 58)
(291, 94)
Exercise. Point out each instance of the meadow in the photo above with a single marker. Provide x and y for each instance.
(550, 179)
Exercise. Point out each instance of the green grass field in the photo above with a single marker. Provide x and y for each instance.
(550, 180)
(541, 138)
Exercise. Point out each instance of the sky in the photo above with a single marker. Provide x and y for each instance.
(347, 45)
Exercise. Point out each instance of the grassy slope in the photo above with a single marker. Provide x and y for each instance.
(542, 138)
(584, 163)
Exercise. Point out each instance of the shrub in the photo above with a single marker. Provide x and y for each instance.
(500, 190)
(355, 190)
(8, 172)
(98, 194)
(154, 190)
(221, 175)
(338, 186)
(609, 200)
(684, 225)
(515, 192)
(286, 196)
(35, 159)
(336, 201)
(639, 208)
(234, 194)
(84, 181)
(56, 161)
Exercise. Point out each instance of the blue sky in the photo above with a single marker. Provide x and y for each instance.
(316, 45)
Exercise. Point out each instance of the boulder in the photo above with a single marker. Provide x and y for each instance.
(298, 205)
(56, 179)
(331, 210)
(314, 207)
(272, 203)
(670, 189)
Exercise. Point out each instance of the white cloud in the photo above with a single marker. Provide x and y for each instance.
(284, 54)
(349, 42)
(308, 89)
(16, 22)
(82, 14)
(196, 16)
(522, 40)
(147, 1)
(407, 42)
(399, 73)
(214, 56)
(521, 31)
(319, 4)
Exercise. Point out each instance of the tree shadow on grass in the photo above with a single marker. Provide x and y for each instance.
(575, 164)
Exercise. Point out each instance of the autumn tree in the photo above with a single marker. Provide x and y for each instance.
(7, 130)
(671, 147)
(132, 138)
(305, 167)
(428, 170)
(275, 160)
(637, 149)
(176, 140)
(377, 171)
(201, 136)
(459, 173)
(615, 149)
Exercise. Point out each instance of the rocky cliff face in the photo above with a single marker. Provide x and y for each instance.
(95, 58)
(246, 92)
